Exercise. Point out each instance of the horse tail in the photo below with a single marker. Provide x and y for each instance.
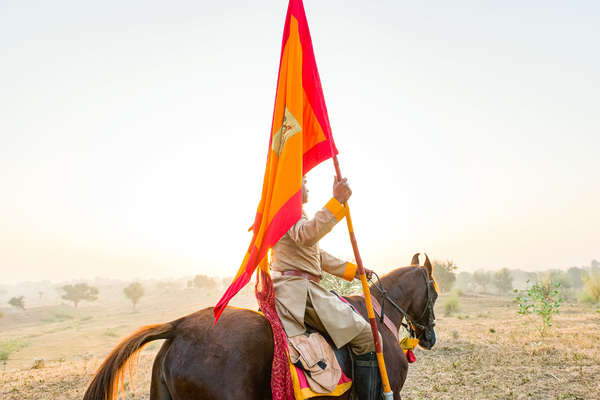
(110, 376)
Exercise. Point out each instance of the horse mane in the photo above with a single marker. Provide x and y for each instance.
(392, 279)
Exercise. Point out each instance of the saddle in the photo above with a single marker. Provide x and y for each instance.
(317, 367)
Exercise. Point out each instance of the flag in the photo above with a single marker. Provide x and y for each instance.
(300, 139)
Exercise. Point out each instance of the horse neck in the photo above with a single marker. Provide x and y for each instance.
(395, 285)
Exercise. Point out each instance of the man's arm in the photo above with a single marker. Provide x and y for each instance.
(307, 232)
(343, 269)
(338, 267)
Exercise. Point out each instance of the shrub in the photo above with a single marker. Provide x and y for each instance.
(542, 299)
(591, 288)
(9, 346)
(451, 305)
(341, 286)
(111, 333)
(566, 288)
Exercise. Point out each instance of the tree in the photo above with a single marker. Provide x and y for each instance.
(482, 279)
(502, 281)
(443, 272)
(18, 302)
(79, 292)
(591, 288)
(134, 292)
(226, 281)
(575, 275)
(341, 286)
(167, 287)
(464, 281)
(202, 282)
(542, 298)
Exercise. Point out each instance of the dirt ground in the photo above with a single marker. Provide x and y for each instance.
(484, 351)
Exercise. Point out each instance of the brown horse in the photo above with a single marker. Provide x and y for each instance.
(232, 359)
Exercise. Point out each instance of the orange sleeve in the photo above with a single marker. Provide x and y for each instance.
(350, 271)
(336, 208)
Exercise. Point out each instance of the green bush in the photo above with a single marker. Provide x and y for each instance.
(591, 288)
(9, 346)
(341, 286)
(543, 299)
(451, 305)
(63, 315)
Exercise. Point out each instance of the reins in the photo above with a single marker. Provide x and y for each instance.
(410, 323)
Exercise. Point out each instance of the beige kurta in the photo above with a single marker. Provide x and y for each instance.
(299, 250)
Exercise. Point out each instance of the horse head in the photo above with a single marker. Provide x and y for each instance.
(424, 325)
(412, 293)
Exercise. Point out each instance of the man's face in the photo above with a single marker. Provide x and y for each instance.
(304, 191)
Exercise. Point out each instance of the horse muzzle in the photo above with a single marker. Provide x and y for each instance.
(428, 339)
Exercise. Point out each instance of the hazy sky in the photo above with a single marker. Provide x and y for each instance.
(133, 135)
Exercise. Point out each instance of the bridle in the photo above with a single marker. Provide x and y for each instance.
(410, 323)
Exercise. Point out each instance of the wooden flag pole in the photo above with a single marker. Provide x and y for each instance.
(387, 390)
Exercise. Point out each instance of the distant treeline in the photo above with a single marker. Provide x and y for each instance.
(576, 283)
(34, 294)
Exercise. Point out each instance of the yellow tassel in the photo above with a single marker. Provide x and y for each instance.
(408, 343)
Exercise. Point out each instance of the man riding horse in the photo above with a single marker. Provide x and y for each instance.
(297, 267)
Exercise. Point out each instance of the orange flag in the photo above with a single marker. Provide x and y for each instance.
(300, 139)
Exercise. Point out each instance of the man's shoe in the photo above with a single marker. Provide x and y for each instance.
(367, 381)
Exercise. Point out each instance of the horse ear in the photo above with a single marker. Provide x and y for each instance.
(428, 267)
(415, 260)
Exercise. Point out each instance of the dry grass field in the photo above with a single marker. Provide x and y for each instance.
(484, 351)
